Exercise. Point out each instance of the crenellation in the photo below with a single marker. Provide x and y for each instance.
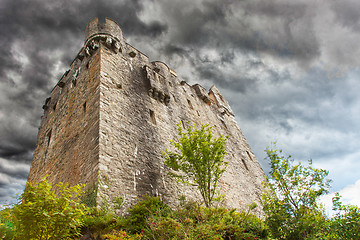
(220, 101)
(201, 93)
(114, 114)
(109, 28)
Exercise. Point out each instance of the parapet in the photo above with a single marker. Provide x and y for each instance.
(96, 28)
(220, 101)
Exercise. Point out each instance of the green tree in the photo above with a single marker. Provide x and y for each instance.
(199, 159)
(290, 197)
(346, 222)
(43, 213)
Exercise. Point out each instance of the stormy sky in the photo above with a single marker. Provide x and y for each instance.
(290, 70)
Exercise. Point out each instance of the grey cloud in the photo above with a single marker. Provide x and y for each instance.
(171, 49)
(281, 30)
(15, 170)
(194, 26)
(347, 12)
(13, 177)
(221, 79)
(289, 104)
(286, 30)
(227, 56)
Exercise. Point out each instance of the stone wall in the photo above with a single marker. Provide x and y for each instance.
(68, 140)
(112, 127)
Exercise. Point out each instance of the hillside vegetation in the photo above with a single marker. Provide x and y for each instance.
(42, 214)
(289, 202)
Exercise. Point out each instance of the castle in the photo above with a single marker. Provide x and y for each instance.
(111, 115)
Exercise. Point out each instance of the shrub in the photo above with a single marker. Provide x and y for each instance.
(121, 235)
(139, 214)
(7, 228)
(100, 221)
(192, 221)
(43, 214)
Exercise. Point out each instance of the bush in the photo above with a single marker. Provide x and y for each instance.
(7, 228)
(100, 221)
(150, 218)
(121, 235)
(43, 214)
(139, 214)
(40, 216)
(192, 221)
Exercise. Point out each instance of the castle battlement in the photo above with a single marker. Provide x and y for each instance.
(107, 28)
(109, 34)
(111, 115)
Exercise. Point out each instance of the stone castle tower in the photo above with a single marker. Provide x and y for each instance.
(111, 115)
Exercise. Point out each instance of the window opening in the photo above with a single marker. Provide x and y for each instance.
(190, 105)
(223, 123)
(84, 107)
(249, 155)
(61, 84)
(156, 77)
(48, 138)
(243, 161)
(54, 107)
(132, 54)
(152, 116)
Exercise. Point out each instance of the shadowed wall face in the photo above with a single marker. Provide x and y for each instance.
(114, 115)
(68, 140)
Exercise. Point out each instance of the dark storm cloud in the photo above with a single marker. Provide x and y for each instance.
(283, 30)
(174, 49)
(220, 79)
(18, 170)
(298, 99)
(17, 139)
(193, 25)
(13, 177)
(347, 12)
